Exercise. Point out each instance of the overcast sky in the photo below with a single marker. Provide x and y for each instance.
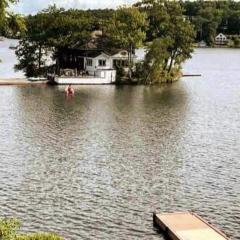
(33, 6)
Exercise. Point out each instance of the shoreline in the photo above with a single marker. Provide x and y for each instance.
(18, 81)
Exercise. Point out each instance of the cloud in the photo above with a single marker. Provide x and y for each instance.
(33, 6)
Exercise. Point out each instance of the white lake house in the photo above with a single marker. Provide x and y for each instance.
(90, 66)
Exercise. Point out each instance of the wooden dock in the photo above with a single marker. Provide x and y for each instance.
(187, 226)
(191, 75)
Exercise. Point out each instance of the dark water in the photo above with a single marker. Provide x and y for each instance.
(97, 166)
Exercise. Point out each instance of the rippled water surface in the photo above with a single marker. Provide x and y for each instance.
(97, 166)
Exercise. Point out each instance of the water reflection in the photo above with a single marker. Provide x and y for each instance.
(98, 165)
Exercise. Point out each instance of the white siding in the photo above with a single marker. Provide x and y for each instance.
(101, 77)
(95, 66)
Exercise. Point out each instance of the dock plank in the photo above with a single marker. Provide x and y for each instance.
(187, 226)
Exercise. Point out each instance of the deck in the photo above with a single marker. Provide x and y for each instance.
(187, 226)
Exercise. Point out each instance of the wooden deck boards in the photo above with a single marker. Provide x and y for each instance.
(187, 226)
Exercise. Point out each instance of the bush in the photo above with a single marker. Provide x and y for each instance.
(10, 227)
(39, 236)
(236, 42)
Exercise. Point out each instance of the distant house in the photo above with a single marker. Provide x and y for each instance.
(221, 39)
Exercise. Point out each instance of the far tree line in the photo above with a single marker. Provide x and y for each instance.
(212, 17)
(208, 17)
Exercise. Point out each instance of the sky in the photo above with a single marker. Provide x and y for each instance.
(33, 6)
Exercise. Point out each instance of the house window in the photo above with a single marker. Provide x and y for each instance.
(102, 63)
(89, 62)
(120, 63)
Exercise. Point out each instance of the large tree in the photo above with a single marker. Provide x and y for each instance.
(126, 29)
(48, 31)
(3, 14)
(173, 37)
(16, 26)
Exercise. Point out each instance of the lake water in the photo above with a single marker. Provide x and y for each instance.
(8, 59)
(96, 166)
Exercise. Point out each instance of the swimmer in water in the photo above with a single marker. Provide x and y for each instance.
(69, 90)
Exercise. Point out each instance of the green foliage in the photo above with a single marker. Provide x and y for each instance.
(208, 21)
(236, 41)
(39, 236)
(121, 74)
(157, 61)
(59, 28)
(16, 26)
(49, 30)
(127, 27)
(127, 30)
(56, 28)
(30, 58)
(173, 40)
(213, 17)
(9, 231)
(156, 15)
(208, 17)
(6, 18)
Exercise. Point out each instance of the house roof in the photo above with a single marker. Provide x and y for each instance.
(91, 53)
(221, 35)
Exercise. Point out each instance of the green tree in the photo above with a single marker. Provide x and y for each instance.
(3, 13)
(156, 16)
(173, 40)
(213, 17)
(236, 41)
(16, 26)
(48, 31)
(210, 18)
(156, 60)
(126, 29)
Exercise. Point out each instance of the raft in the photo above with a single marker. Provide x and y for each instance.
(187, 226)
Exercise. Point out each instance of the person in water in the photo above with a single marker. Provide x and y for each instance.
(69, 90)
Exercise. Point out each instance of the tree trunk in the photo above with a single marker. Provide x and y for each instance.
(171, 63)
(130, 61)
(39, 56)
(165, 64)
(173, 55)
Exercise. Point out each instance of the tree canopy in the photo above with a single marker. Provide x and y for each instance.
(49, 30)
(11, 25)
(173, 37)
(127, 27)
(213, 17)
